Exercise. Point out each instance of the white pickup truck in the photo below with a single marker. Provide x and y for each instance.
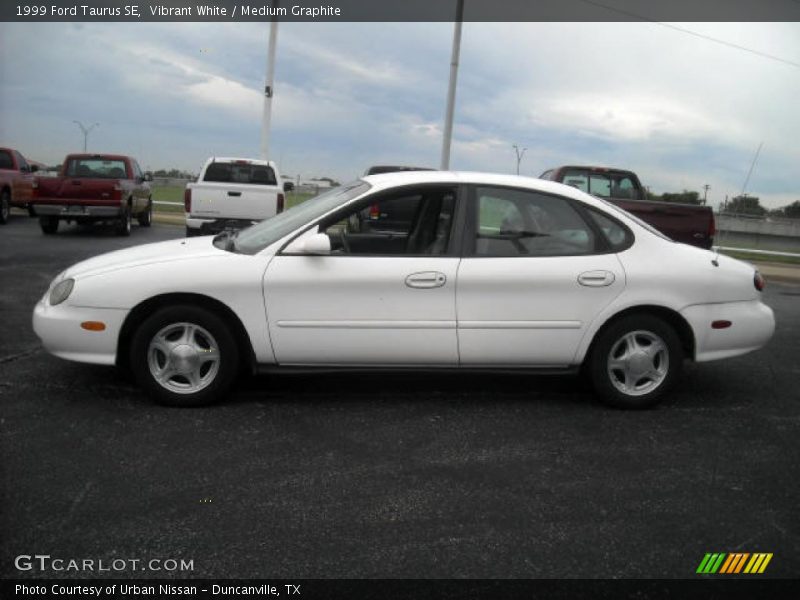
(232, 193)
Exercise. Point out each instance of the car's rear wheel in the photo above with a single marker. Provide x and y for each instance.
(184, 356)
(146, 218)
(635, 361)
(5, 206)
(124, 223)
(49, 225)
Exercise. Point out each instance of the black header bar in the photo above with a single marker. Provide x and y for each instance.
(398, 10)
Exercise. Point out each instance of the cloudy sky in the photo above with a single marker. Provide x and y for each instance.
(679, 109)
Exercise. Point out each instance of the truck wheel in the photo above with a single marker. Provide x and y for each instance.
(184, 356)
(146, 218)
(635, 361)
(5, 207)
(49, 225)
(124, 224)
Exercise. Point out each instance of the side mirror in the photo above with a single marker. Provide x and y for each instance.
(34, 168)
(288, 186)
(318, 244)
(148, 176)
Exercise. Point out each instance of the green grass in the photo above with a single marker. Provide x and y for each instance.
(769, 258)
(174, 193)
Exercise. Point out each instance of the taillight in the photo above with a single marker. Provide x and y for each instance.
(280, 202)
(116, 192)
(712, 228)
(187, 200)
(759, 281)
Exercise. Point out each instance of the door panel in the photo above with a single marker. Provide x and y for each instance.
(529, 310)
(537, 276)
(358, 310)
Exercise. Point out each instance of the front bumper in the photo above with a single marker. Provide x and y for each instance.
(752, 326)
(69, 211)
(59, 329)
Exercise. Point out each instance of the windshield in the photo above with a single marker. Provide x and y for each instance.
(254, 239)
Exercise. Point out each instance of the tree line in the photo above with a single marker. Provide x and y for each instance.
(740, 205)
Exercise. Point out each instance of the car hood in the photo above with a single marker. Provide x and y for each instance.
(160, 252)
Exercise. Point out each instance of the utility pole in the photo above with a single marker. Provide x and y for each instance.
(86, 131)
(451, 90)
(266, 117)
(519, 155)
(706, 187)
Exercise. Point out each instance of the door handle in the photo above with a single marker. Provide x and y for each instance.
(234, 193)
(426, 280)
(596, 278)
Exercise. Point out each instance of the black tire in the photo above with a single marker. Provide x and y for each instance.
(124, 223)
(191, 232)
(205, 381)
(49, 225)
(5, 206)
(146, 218)
(635, 361)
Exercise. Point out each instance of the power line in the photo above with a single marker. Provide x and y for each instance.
(695, 34)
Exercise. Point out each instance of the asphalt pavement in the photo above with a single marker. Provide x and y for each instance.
(387, 475)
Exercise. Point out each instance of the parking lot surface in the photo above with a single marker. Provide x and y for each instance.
(387, 475)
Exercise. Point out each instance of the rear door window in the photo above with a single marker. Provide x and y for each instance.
(514, 222)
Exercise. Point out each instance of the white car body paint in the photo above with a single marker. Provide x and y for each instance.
(360, 310)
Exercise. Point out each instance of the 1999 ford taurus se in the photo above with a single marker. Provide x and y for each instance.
(417, 269)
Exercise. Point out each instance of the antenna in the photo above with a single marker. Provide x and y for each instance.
(752, 166)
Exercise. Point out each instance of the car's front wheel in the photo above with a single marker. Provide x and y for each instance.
(184, 356)
(635, 361)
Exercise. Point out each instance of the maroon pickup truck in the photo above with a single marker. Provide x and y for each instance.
(94, 187)
(16, 182)
(687, 223)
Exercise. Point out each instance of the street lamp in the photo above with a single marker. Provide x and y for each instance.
(520, 154)
(86, 131)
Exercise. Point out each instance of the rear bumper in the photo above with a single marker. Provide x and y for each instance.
(68, 211)
(752, 326)
(212, 226)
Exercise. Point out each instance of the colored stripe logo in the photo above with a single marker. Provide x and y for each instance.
(734, 563)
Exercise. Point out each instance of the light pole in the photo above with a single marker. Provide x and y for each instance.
(706, 187)
(86, 131)
(520, 154)
(269, 91)
(451, 88)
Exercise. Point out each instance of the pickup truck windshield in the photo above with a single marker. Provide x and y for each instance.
(96, 168)
(243, 172)
(254, 239)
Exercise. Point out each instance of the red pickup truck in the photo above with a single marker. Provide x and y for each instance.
(94, 187)
(687, 223)
(16, 182)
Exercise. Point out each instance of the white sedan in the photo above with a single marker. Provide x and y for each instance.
(413, 270)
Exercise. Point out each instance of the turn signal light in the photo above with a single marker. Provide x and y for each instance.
(187, 200)
(93, 326)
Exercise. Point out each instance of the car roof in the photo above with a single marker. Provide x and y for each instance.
(389, 180)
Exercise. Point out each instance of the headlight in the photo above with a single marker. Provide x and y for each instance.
(61, 291)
